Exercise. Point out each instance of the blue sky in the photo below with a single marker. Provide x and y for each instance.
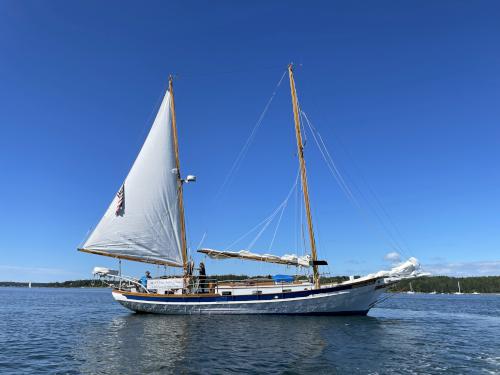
(405, 94)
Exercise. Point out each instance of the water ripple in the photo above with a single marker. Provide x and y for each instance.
(82, 331)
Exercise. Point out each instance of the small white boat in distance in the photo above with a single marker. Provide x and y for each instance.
(459, 291)
(411, 290)
(434, 292)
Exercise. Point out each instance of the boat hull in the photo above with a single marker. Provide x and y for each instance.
(349, 299)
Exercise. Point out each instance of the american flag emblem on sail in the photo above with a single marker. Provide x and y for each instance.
(120, 204)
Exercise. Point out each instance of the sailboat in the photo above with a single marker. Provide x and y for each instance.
(459, 291)
(145, 223)
(411, 290)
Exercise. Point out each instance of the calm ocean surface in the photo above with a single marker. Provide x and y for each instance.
(83, 331)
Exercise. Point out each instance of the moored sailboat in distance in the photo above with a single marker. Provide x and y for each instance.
(459, 290)
(411, 290)
(145, 223)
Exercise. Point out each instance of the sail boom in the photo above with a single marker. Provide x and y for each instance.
(128, 257)
(288, 260)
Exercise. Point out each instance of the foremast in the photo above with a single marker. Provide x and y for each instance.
(303, 173)
(179, 179)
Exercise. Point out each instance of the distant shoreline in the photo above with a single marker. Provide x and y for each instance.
(63, 284)
(429, 284)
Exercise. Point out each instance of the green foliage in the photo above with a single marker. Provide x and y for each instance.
(445, 284)
(440, 284)
(65, 284)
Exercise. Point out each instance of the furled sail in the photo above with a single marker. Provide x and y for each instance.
(287, 259)
(143, 221)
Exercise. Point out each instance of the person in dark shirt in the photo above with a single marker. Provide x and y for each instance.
(188, 277)
(202, 278)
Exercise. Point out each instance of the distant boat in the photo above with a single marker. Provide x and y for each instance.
(411, 290)
(29, 285)
(433, 292)
(459, 291)
(145, 223)
(475, 293)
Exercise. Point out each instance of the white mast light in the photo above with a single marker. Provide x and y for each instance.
(190, 178)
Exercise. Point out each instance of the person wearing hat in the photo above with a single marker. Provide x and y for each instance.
(144, 279)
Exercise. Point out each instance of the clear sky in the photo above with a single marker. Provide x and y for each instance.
(405, 94)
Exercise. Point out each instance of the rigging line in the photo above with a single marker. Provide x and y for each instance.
(149, 121)
(241, 155)
(202, 240)
(197, 74)
(141, 136)
(282, 206)
(382, 222)
(270, 217)
(324, 152)
(374, 211)
(376, 197)
(344, 187)
(332, 167)
(276, 229)
(391, 241)
(282, 212)
(250, 245)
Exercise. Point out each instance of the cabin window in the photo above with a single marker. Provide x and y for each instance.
(257, 292)
(286, 290)
(226, 293)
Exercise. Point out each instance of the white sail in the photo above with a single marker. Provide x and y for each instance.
(287, 259)
(146, 227)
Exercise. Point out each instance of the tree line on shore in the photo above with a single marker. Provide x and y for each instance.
(428, 284)
(445, 284)
(63, 284)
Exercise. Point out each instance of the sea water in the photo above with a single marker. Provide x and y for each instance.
(83, 331)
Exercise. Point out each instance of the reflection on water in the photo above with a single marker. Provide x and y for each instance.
(186, 344)
(84, 331)
(149, 342)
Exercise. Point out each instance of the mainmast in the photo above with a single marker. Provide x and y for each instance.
(179, 180)
(303, 173)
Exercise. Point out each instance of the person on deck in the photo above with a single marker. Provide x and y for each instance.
(202, 278)
(144, 279)
(188, 277)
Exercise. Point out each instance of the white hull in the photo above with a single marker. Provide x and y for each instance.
(357, 300)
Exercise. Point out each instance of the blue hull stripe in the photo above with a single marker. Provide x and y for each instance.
(247, 297)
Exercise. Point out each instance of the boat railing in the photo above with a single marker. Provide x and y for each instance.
(121, 282)
(196, 285)
(258, 285)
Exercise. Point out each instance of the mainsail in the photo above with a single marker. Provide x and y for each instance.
(143, 221)
(287, 259)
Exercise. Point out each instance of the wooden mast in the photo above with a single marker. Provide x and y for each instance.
(303, 173)
(179, 180)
